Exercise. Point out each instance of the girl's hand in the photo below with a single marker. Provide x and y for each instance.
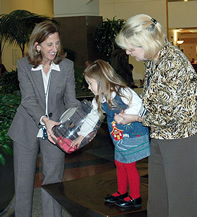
(77, 141)
(49, 125)
(127, 118)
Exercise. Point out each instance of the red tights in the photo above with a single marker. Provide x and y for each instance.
(128, 173)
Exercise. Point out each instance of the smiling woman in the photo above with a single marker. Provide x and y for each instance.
(47, 88)
(48, 50)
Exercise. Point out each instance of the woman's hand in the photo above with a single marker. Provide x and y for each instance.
(77, 141)
(118, 118)
(49, 125)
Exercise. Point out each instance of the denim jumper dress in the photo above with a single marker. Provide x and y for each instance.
(131, 141)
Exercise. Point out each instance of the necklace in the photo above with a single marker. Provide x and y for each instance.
(46, 66)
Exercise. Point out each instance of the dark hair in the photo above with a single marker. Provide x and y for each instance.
(40, 33)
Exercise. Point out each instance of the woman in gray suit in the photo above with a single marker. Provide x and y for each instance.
(47, 88)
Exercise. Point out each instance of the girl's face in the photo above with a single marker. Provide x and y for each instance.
(49, 47)
(137, 52)
(92, 85)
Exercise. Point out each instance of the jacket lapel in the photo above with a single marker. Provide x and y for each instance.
(38, 81)
(54, 80)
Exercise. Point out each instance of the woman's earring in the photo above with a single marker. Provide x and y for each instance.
(38, 51)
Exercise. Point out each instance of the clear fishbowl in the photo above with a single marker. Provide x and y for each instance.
(71, 121)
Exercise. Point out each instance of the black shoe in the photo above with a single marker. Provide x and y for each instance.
(112, 199)
(137, 203)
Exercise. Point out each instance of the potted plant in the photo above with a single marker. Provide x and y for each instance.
(105, 35)
(9, 101)
(8, 106)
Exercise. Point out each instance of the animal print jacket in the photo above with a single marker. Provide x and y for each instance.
(170, 95)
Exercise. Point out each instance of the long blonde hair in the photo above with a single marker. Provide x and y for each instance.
(108, 81)
(142, 31)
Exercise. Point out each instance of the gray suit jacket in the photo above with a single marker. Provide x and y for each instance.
(26, 123)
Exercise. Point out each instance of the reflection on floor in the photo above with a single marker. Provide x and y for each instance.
(95, 158)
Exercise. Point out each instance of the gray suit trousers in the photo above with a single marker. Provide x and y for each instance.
(25, 166)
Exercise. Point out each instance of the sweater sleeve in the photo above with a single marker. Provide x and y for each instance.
(90, 121)
(135, 106)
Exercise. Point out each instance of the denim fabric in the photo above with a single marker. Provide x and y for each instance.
(132, 142)
(130, 150)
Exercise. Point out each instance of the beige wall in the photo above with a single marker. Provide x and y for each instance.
(126, 8)
(181, 15)
(42, 7)
(68, 8)
(185, 17)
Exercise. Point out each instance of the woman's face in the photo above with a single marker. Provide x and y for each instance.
(137, 52)
(92, 85)
(49, 47)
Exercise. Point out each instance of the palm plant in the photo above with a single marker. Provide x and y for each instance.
(16, 27)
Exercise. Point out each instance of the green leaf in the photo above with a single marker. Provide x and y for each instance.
(2, 160)
(7, 149)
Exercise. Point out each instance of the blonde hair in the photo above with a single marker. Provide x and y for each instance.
(142, 31)
(108, 81)
(40, 33)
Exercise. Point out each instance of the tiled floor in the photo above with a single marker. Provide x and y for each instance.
(95, 158)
